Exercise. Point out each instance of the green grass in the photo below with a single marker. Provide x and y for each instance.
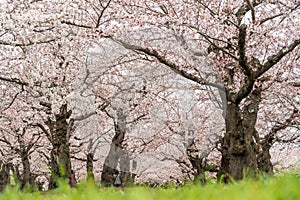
(283, 187)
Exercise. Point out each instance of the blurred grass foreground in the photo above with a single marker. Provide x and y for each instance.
(283, 187)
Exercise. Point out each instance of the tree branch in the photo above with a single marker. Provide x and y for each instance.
(296, 84)
(208, 38)
(137, 119)
(14, 80)
(215, 14)
(277, 15)
(85, 116)
(270, 18)
(270, 137)
(25, 44)
(242, 50)
(44, 130)
(4, 140)
(252, 10)
(245, 90)
(240, 14)
(171, 65)
(75, 24)
(101, 14)
(13, 100)
(274, 59)
(46, 104)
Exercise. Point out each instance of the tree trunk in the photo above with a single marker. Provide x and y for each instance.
(197, 162)
(90, 166)
(4, 175)
(264, 157)
(127, 176)
(27, 177)
(110, 165)
(54, 166)
(115, 151)
(241, 142)
(264, 162)
(60, 154)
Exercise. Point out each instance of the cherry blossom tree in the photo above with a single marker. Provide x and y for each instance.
(252, 46)
(250, 52)
(39, 62)
(168, 102)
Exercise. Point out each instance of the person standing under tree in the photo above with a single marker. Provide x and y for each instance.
(117, 179)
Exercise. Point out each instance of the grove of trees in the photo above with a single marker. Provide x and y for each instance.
(150, 88)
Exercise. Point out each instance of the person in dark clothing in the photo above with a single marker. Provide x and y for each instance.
(117, 179)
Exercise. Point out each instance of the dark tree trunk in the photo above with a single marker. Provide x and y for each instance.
(4, 175)
(54, 166)
(236, 153)
(196, 162)
(198, 167)
(90, 166)
(241, 142)
(264, 157)
(90, 161)
(27, 177)
(60, 130)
